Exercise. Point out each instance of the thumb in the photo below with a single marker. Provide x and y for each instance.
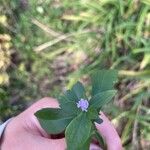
(30, 121)
(55, 144)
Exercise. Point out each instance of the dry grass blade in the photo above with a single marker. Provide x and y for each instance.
(45, 28)
(59, 39)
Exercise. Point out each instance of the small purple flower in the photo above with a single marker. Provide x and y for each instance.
(83, 104)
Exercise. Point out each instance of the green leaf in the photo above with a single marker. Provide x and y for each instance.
(103, 80)
(78, 132)
(92, 113)
(101, 99)
(63, 99)
(79, 90)
(70, 95)
(68, 106)
(52, 120)
(86, 144)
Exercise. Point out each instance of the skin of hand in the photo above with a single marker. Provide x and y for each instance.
(24, 132)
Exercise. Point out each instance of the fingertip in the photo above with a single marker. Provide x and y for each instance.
(48, 102)
(94, 147)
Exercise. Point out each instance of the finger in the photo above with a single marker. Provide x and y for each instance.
(94, 147)
(43, 103)
(109, 134)
(29, 119)
(57, 144)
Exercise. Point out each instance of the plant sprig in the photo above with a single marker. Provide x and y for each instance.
(77, 113)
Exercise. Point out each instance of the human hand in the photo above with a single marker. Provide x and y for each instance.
(25, 133)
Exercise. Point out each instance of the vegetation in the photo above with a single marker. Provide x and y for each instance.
(47, 44)
(78, 113)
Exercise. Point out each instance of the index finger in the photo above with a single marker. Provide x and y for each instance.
(109, 133)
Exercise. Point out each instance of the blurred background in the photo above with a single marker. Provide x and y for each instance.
(47, 45)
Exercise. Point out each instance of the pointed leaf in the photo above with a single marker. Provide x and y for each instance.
(103, 80)
(86, 145)
(68, 106)
(79, 90)
(63, 99)
(71, 95)
(92, 113)
(101, 98)
(52, 120)
(78, 131)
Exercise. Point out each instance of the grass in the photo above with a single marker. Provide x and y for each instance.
(54, 43)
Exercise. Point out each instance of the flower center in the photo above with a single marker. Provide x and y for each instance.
(83, 104)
